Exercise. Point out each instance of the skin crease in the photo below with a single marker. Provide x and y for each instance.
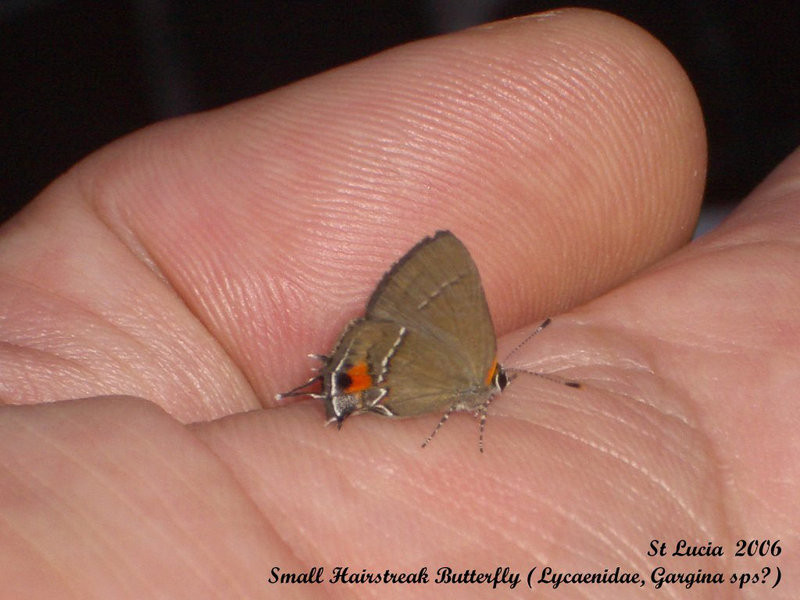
(171, 283)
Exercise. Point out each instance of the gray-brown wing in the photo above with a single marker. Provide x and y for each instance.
(371, 343)
(435, 291)
(424, 376)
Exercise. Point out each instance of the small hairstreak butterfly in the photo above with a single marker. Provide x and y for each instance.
(426, 343)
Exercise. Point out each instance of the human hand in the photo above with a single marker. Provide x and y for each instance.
(193, 265)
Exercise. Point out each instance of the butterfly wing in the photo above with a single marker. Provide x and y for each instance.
(424, 377)
(435, 291)
(353, 377)
(369, 346)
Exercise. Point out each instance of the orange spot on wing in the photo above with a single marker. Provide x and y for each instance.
(492, 371)
(359, 377)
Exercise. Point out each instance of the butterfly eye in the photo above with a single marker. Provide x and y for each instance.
(501, 379)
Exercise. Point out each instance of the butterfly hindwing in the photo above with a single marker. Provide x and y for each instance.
(440, 380)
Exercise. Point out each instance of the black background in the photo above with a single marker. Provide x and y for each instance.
(75, 75)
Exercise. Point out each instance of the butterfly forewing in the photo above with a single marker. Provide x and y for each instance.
(435, 291)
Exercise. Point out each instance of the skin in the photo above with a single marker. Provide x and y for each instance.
(157, 296)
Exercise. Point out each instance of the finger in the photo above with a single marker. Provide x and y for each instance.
(566, 151)
(112, 498)
(562, 175)
(727, 301)
(716, 326)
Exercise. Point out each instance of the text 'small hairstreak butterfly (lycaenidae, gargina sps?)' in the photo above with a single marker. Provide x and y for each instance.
(426, 343)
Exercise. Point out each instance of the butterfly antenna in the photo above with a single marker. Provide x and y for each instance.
(544, 324)
(547, 376)
(554, 378)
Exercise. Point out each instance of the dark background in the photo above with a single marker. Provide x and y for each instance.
(75, 75)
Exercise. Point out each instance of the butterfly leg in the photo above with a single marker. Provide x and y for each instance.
(482, 413)
(442, 421)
